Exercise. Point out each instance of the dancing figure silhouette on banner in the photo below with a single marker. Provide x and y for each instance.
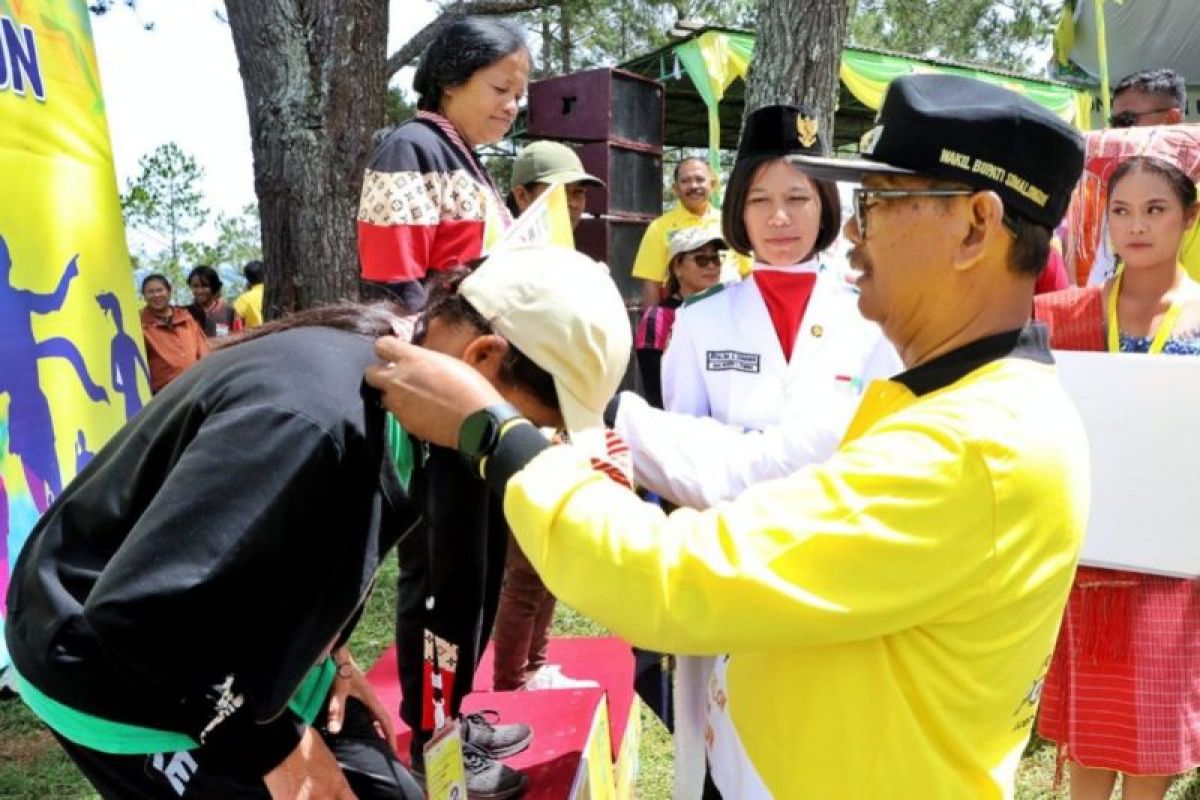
(126, 355)
(30, 427)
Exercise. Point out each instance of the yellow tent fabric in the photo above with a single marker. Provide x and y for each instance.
(715, 58)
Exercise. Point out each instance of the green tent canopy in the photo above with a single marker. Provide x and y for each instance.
(703, 77)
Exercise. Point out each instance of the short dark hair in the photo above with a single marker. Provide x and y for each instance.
(1030, 247)
(155, 276)
(447, 304)
(1182, 186)
(461, 49)
(679, 166)
(253, 272)
(208, 276)
(733, 209)
(1165, 83)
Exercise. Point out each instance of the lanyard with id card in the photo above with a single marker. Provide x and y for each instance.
(445, 777)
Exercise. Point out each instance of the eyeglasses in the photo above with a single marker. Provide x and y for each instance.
(1127, 119)
(865, 199)
(703, 260)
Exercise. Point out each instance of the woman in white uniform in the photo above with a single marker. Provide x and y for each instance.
(787, 342)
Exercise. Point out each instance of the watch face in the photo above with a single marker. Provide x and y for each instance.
(477, 434)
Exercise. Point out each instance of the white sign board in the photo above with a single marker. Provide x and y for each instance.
(1142, 415)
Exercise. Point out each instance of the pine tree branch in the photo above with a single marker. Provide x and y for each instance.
(412, 49)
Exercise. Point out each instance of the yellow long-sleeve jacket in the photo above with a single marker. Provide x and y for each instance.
(887, 616)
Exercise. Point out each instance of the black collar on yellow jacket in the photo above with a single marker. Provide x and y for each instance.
(1032, 342)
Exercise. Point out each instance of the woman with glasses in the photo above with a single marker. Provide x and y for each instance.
(693, 266)
(1123, 690)
(787, 341)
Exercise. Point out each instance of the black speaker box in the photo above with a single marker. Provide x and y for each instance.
(614, 241)
(597, 105)
(633, 175)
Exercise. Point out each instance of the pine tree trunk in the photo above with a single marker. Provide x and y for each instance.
(316, 86)
(797, 56)
(564, 12)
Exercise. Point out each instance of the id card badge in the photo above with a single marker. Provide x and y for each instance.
(440, 664)
(445, 777)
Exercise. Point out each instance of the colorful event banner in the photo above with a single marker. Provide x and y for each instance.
(72, 367)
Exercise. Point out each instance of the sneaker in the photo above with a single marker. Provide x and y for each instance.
(495, 741)
(487, 778)
(550, 676)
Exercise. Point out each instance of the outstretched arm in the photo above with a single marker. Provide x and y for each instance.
(46, 303)
(698, 462)
(64, 348)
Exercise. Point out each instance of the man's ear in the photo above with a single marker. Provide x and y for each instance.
(1174, 116)
(486, 354)
(985, 222)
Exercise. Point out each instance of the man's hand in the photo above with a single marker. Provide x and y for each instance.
(350, 682)
(310, 772)
(428, 392)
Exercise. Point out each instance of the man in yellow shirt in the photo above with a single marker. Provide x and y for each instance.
(694, 184)
(249, 303)
(884, 619)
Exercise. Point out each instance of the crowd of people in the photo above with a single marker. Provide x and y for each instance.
(176, 338)
(840, 524)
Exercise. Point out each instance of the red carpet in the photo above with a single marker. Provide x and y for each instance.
(561, 718)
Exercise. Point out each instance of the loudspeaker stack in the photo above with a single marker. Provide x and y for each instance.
(617, 117)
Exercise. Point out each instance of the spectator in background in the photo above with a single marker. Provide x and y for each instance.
(1123, 690)
(174, 340)
(249, 303)
(521, 633)
(1149, 97)
(216, 317)
(694, 266)
(428, 202)
(694, 184)
(542, 164)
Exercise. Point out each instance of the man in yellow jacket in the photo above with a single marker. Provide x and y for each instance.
(884, 619)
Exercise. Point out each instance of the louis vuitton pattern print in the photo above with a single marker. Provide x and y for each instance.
(412, 198)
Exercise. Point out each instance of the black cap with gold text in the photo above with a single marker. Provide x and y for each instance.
(967, 131)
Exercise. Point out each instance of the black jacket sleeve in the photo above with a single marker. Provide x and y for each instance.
(217, 561)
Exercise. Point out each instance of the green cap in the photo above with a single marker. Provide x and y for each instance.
(549, 162)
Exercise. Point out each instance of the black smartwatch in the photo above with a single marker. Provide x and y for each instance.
(480, 432)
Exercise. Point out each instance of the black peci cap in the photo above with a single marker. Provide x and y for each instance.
(964, 130)
(780, 131)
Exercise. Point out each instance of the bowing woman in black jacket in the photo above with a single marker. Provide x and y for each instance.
(178, 617)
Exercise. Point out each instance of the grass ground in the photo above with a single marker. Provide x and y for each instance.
(32, 767)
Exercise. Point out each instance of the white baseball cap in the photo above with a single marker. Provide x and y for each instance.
(562, 310)
(685, 240)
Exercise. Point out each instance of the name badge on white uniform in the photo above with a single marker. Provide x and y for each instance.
(732, 361)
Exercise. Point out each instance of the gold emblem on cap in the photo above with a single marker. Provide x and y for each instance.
(806, 129)
(817, 331)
